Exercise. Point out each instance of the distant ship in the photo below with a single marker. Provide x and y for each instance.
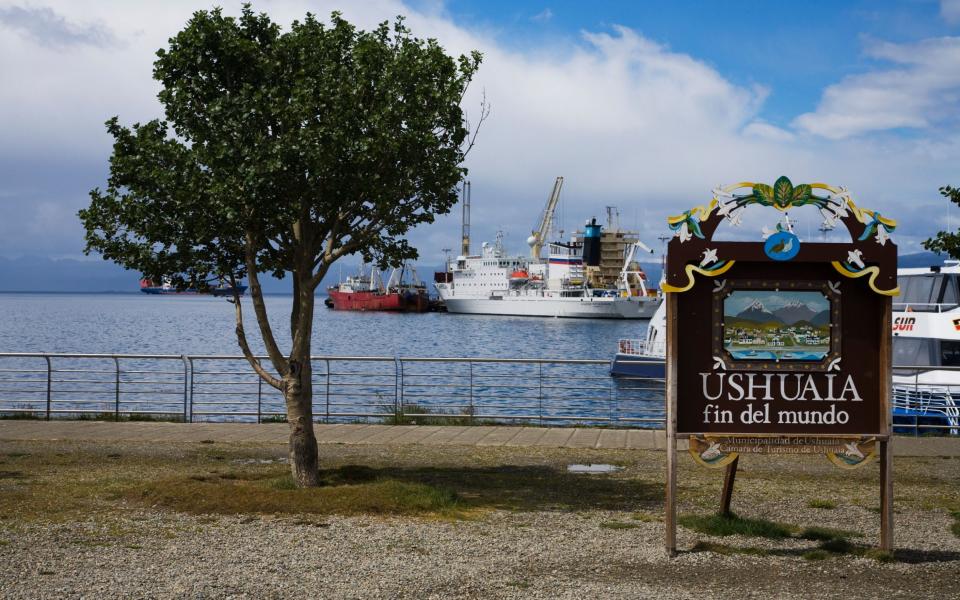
(147, 286)
(368, 293)
(594, 275)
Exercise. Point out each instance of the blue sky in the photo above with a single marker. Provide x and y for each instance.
(796, 49)
(641, 105)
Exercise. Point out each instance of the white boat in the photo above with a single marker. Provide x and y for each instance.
(644, 357)
(494, 283)
(926, 349)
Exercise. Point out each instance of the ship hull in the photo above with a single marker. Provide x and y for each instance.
(375, 301)
(633, 365)
(569, 308)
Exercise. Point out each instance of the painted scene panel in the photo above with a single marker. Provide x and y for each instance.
(776, 325)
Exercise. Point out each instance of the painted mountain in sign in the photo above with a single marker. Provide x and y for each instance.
(795, 311)
(758, 313)
(821, 318)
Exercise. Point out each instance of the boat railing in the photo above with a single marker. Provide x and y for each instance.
(924, 307)
(432, 390)
(638, 347)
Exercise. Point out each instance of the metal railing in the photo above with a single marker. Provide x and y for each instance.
(935, 307)
(390, 389)
(345, 389)
(926, 400)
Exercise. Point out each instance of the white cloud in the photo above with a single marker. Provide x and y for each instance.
(47, 28)
(765, 131)
(950, 11)
(921, 91)
(626, 120)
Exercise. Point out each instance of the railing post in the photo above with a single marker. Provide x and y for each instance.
(396, 390)
(614, 401)
(190, 403)
(259, 396)
(540, 392)
(402, 384)
(326, 418)
(472, 409)
(49, 385)
(183, 357)
(116, 389)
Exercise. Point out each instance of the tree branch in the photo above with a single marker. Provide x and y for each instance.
(242, 340)
(260, 309)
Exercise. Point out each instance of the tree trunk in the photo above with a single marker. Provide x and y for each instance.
(304, 463)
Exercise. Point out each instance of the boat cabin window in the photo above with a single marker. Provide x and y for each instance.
(912, 351)
(916, 289)
(949, 295)
(950, 353)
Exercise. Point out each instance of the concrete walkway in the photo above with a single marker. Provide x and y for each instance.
(276, 433)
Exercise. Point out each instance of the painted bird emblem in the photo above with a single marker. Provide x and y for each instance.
(711, 452)
(782, 247)
(851, 449)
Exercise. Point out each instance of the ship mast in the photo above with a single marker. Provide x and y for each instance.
(465, 228)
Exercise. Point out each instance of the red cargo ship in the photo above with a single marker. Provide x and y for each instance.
(367, 293)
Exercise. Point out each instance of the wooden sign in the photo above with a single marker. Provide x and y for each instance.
(780, 345)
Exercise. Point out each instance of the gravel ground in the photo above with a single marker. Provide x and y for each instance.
(144, 552)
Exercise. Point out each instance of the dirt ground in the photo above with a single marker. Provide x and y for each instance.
(220, 520)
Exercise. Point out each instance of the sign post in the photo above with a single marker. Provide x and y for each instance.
(783, 347)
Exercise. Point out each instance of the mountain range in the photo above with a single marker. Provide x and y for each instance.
(792, 313)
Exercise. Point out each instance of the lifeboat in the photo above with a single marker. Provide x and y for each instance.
(519, 275)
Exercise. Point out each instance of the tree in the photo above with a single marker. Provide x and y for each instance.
(282, 152)
(946, 241)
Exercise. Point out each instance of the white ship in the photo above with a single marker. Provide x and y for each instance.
(493, 283)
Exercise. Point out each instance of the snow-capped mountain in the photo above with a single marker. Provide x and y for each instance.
(794, 311)
(759, 313)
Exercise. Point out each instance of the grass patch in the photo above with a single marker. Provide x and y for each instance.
(721, 525)
(271, 492)
(645, 517)
(878, 555)
(728, 550)
(955, 528)
(824, 534)
(815, 555)
(822, 503)
(618, 525)
(415, 414)
(837, 546)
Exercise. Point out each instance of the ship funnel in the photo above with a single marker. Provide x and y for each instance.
(591, 243)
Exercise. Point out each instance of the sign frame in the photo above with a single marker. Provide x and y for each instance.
(866, 265)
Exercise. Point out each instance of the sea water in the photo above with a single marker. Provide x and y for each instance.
(145, 324)
(344, 390)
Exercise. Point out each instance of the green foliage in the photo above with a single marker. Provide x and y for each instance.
(783, 194)
(283, 150)
(722, 525)
(946, 241)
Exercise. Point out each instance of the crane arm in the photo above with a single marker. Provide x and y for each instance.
(539, 235)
